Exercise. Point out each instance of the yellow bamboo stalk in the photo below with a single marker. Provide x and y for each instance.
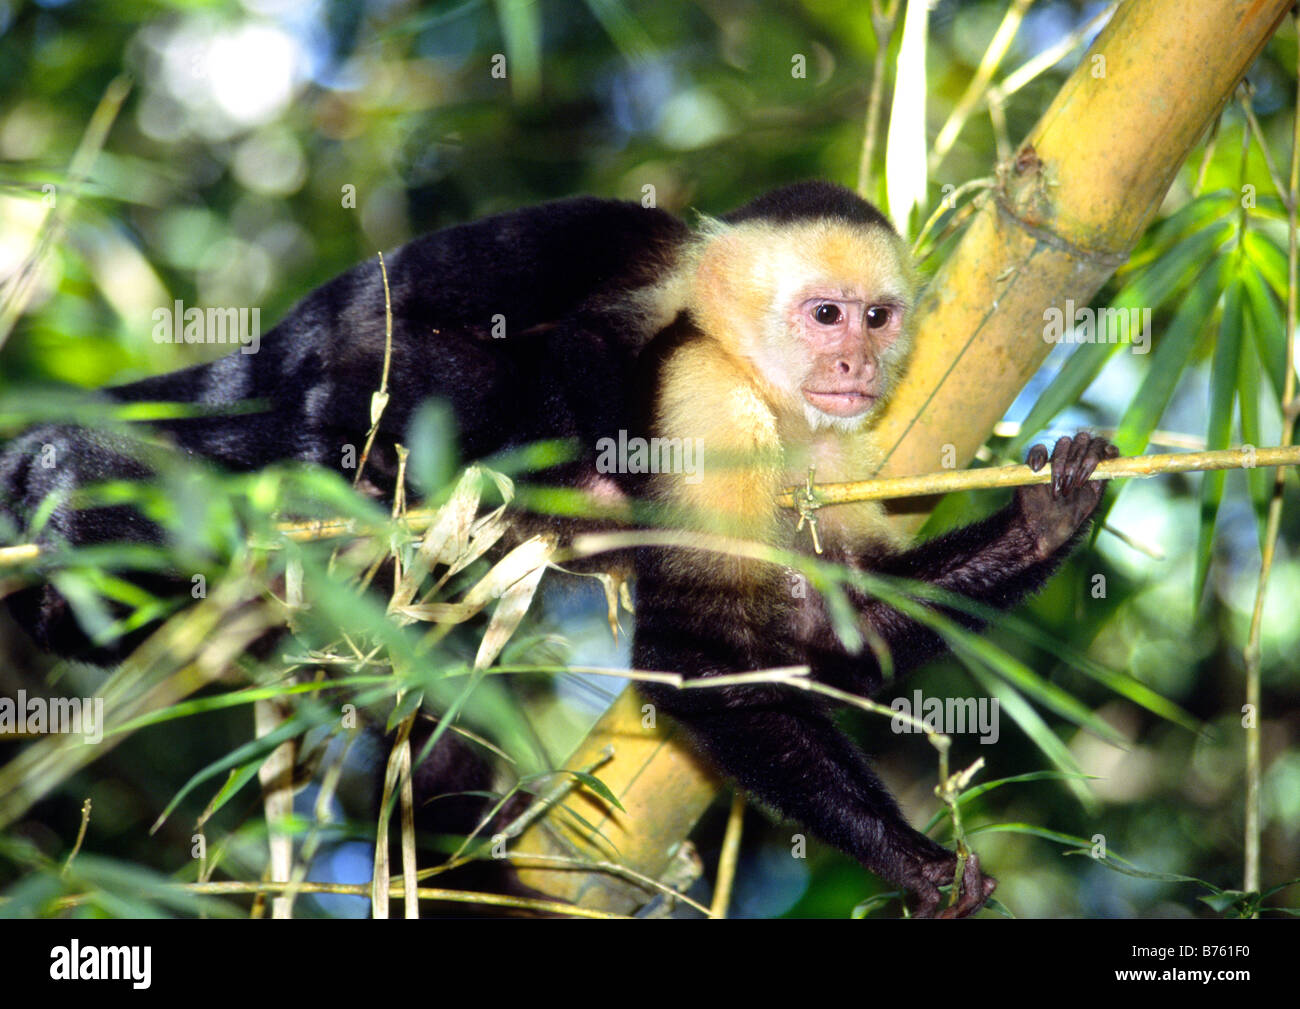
(663, 790)
(1067, 210)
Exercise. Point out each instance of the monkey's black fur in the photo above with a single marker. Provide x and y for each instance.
(781, 744)
(810, 201)
(555, 276)
(571, 366)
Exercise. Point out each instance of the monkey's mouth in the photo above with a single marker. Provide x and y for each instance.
(849, 403)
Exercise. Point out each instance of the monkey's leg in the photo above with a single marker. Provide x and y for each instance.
(787, 753)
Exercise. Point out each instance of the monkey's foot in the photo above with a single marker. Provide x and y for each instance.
(975, 888)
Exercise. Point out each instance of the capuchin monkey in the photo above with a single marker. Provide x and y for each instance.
(771, 338)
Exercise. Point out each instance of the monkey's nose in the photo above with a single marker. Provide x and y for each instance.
(864, 368)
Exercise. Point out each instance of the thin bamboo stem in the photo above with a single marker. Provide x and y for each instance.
(1018, 476)
(979, 84)
(1053, 54)
(730, 856)
(884, 20)
(945, 482)
(1273, 524)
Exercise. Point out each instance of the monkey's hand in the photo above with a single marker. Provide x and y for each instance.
(1053, 512)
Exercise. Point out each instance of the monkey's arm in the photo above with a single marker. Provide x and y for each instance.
(997, 562)
(784, 749)
(786, 752)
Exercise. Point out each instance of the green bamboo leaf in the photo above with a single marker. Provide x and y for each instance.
(1267, 206)
(1223, 377)
(1028, 829)
(521, 27)
(1172, 355)
(1128, 869)
(978, 651)
(1198, 216)
(254, 750)
(1122, 683)
(408, 704)
(1174, 269)
(1269, 326)
(1248, 368)
(1269, 259)
(1127, 685)
(234, 698)
(1032, 724)
(988, 786)
(976, 648)
(843, 616)
(237, 779)
(130, 882)
(1223, 391)
(1278, 889)
(623, 28)
(1148, 290)
(599, 787)
(33, 896)
(592, 834)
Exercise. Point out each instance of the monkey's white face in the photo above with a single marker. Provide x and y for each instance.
(846, 338)
(818, 308)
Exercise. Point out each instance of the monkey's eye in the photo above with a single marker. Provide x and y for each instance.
(877, 316)
(828, 315)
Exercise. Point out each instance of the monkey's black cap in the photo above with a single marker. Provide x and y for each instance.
(810, 201)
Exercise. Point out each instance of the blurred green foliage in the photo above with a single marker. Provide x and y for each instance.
(267, 145)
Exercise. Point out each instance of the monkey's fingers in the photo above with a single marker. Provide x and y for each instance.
(1078, 469)
(1089, 490)
(1037, 458)
(1060, 458)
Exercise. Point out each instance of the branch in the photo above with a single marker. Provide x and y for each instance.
(943, 482)
(947, 481)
